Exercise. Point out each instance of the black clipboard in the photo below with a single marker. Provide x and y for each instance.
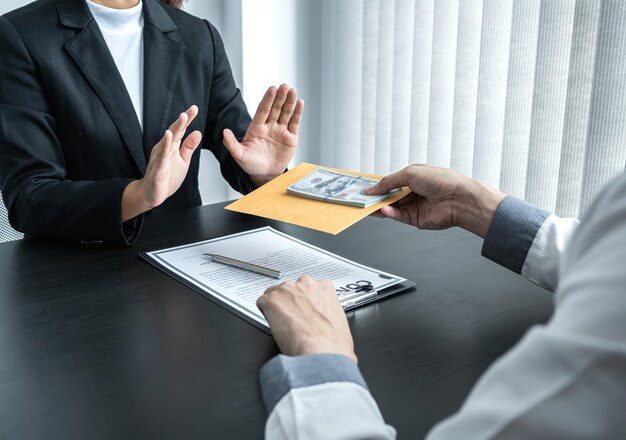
(403, 286)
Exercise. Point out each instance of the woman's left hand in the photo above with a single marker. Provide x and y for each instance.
(272, 137)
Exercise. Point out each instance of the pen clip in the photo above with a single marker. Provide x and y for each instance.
(359, 296)
(357, 301)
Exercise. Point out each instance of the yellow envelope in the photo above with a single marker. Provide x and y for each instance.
(272, 201)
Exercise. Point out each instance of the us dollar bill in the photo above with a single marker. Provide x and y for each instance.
(331, 186)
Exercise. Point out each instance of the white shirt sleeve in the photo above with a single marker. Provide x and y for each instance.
(321, 396)
(544, 256)
(529, 241)
(333, 410)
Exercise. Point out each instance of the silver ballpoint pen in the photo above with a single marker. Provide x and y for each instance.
(357, 297)
(245, 265)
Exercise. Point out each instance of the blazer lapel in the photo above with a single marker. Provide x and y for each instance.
(163, 51)
(91, 54)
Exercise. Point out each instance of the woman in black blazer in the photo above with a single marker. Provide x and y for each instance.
(74, 161)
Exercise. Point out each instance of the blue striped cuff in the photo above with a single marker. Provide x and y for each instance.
(512, 232)
(283, 373)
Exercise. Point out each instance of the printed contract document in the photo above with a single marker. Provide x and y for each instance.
(238, 289)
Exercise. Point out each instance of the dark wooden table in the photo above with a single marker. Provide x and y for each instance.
(95, 343)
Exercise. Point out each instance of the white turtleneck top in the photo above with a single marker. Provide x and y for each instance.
(122, 30)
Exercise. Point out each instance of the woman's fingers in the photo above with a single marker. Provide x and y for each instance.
(192, 112)
(179, 126)
(165, 145)
(280, 105)
(189, 145)
(265, 106)
(294, 122)
(163, 150)
(287, 108)
(232, 145)
(277, 105)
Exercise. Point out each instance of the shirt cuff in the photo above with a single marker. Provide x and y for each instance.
(283, 373)
(512, 232)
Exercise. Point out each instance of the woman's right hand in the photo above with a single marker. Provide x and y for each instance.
(167, 168)
(441, 198)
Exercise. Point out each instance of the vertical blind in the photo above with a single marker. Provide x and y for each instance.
(528, 96)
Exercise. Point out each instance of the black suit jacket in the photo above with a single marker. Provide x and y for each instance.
(70, 140)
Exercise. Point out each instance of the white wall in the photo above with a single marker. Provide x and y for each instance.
(268, 42)
(9, 5)
(281, 43)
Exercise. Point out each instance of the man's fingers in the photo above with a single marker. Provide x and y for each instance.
(260, 302)
(189, 145)
(265, 106)
(391, 182)
(277, 105)
(265, 301)
(287, 109)
(330, 290)
(396, 214)
(232, 145)
(378, 214)
(305, 279)
(294, 122)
